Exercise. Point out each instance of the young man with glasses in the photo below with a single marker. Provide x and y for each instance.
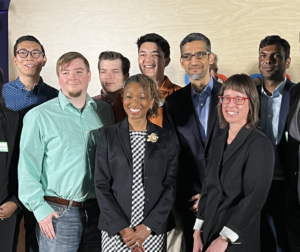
(23, 94)
(191, 113)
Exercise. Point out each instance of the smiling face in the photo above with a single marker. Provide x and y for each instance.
(111, 75)
(152, 61)
(235, 114)
(74, 78)
(29, 66)
(196, 68)
(272, 62)
(136, 101)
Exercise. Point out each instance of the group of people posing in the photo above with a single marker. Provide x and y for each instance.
(147, 165)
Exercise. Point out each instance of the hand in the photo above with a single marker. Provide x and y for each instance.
(126, 232)
(7, 209)
(218, 245)
(198, 245)
(139, 236)
(46, 225)
(194, 208)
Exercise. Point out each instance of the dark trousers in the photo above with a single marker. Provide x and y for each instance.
(7, 231)
(292, 218)
(91, 238)
(273, 231)
(188, 219)
(30, 222)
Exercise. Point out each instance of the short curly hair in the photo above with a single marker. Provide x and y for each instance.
(148, 84)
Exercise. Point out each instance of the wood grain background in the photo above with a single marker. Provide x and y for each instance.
(235, 28)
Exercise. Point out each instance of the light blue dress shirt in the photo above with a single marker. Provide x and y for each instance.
(201, 102)
(270, 111)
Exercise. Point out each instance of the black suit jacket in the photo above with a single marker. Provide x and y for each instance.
(180, 117)
(280, 148)
(293, 149)
(238, 180)
(113, 179)
(9, 132)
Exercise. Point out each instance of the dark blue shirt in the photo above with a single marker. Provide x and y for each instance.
(17, 98)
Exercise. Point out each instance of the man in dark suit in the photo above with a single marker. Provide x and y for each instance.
(191, 113)
(274, 59)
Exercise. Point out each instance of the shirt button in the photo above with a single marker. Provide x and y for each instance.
(89, 149)
(269, 115)
(201, 104)
(147, 200)
(295, 173)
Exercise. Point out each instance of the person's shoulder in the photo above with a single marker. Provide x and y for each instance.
(44, 107)
(258, 139)
(295, 88)
(51, 90)
(180, 92)
(9, 85)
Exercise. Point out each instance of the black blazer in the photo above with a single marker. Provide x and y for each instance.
(9, 132)
(113, 179)
(180, 117)
(293, 150)
(280, 148)
(238, 181)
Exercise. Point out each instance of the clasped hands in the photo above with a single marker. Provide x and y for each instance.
(217, 245)
(135, 237)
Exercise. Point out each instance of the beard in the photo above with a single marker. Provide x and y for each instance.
(75, 95)
(196, 76)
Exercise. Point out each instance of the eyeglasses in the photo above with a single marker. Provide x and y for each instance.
(237, 100)
(198, 55)
(34, 53)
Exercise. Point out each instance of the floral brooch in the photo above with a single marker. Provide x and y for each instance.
(152, 138)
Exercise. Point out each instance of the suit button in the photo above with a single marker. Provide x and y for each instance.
(148, 200)
(146, 178)
(295, 173)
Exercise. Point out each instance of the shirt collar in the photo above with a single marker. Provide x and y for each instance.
(207, 90)
(64, 101)
(37, 87)
(277, 91)
(167, 85)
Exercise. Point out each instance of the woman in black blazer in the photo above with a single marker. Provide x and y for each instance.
(135, 174)
(239, 174)
(8, 174)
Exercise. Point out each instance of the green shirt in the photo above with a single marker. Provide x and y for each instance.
(57, 152)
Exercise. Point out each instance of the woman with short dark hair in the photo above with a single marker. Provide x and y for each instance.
(135, 174)
(240, 171)
(8, 174)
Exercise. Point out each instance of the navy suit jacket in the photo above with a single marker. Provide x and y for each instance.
(180, 117)
(280, 148)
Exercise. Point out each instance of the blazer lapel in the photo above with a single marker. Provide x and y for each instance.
(236, 144)
(284, 109)
(149, 145)
(212, 117)
(293, 126)
(123, 134)
(189, 114)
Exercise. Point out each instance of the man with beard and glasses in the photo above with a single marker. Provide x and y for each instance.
(274, 59)
(57, 161)
(191, 113)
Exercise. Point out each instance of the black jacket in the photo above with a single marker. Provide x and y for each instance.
(180, 117)
(236, 187)
(9, 133)
(113, 179)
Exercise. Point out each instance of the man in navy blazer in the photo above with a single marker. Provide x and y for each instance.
(191, 113)
(274, 59)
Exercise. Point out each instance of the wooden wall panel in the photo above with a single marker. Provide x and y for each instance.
(235, 28)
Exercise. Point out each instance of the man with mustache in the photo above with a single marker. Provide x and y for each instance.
(192, 115)
(274, 59)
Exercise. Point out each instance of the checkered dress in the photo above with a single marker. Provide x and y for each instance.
(154, 243)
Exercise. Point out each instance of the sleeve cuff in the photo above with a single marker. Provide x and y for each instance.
(198, 224)
(43, 211)
(227, 232)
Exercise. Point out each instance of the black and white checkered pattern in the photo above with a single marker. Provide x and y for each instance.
(154, 243)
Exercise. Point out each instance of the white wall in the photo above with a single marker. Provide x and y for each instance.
(235, 28)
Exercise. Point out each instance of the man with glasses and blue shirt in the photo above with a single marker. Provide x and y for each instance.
(21, 95)
(274, 59)
(191, 113)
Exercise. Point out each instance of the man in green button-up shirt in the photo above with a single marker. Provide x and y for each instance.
(57, 154)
